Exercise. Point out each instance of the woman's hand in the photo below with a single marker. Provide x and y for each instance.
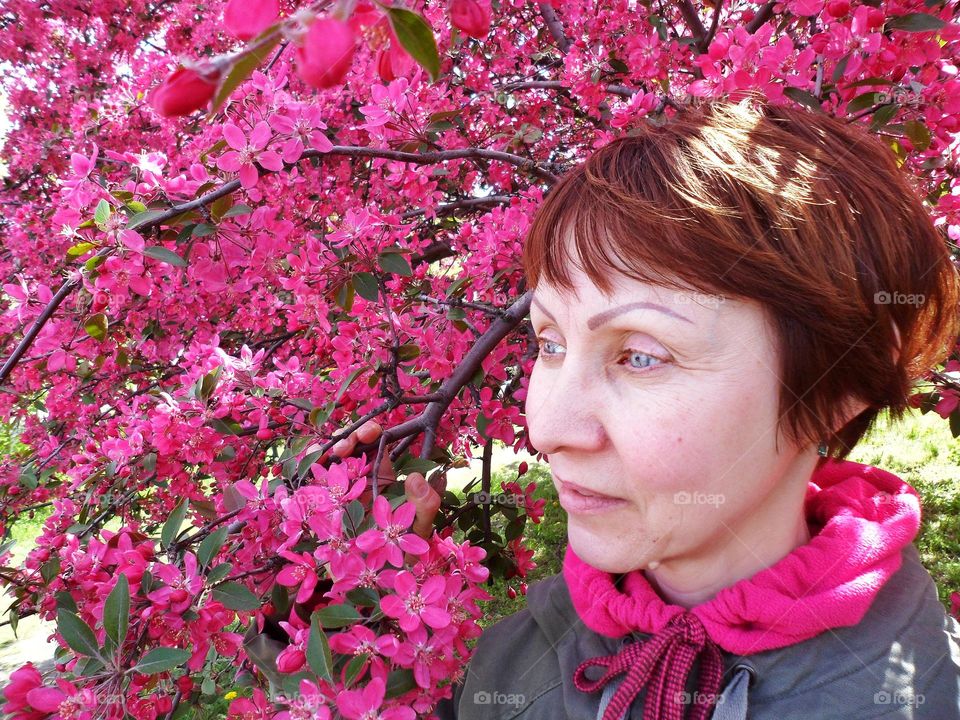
(416, 488)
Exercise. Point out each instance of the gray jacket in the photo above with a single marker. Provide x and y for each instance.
(901, 661)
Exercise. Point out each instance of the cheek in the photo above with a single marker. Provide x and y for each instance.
(665, 449)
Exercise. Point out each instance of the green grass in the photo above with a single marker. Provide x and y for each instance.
(923, 453)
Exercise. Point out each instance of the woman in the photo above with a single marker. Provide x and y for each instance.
(723, 305)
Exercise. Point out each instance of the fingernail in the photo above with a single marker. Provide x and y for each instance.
(419, 488)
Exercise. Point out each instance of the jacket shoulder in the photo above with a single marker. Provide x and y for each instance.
(513, 665)
(902, 660)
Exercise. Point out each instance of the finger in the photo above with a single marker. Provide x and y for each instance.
(369, 431)
(426, 501)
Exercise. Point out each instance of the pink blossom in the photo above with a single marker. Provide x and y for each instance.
(327, 52)
(245, 153)
(303, 124)
(302, 572)
(413, 605)
(256, 708)
(22, 681)
(366, 704)
(183, 92)
(392, 538)
(472, 17)
(248, 18)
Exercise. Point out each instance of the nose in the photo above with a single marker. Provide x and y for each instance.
(564, 408)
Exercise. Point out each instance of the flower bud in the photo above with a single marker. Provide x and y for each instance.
(471, 17)
(393, 62)
(522, 469)
(182, 93)
(511, 593)
(327, 53)
(246, 19)
(838, 8)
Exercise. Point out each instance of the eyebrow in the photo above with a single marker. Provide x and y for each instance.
(600, 318)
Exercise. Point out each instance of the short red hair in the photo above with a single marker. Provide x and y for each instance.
(804, 213)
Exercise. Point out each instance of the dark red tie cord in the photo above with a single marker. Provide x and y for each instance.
(661, 664)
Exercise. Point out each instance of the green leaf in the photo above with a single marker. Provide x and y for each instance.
(211, 545)
(236, 597)
(224, 428)
(240, 209)
(354, 668)
(345, 296)
(456, 286)
(918, 133)
(395, 263)
(862, 102)
(399, 682)
(77, 633)
(164, 255)
(416, 37)
(116, 611)
(102, 214)
(81, 248)
(803, 97)
(335, 616)
(364, 596)
(135, 206)
(514, 528)
(408, 351)
(160, 660)
(220, 206)
(882, 116)
(955, 423)
(96, 326)
(841, 68)
(366, 286)
(172, 526)
(202, 230)
(319, 656)
(88, 666)
(244, 68)
(219, 573)
(915, 22)
(411, 464)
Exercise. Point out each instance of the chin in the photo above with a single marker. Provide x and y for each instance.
(598, 553)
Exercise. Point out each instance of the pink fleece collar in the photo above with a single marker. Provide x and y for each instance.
(866, 516)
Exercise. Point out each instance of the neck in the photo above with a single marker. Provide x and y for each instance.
(765, 535)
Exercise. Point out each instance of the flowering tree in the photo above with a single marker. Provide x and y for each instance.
(234, 233)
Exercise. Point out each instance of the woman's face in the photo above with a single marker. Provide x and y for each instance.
(667, 402)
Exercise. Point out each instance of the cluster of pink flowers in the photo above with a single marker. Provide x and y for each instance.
(426, 592)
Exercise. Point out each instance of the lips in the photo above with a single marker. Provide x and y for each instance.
(583, 490)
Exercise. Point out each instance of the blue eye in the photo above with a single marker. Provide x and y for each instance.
(635, 359)
(651, 360)
(544, 343)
